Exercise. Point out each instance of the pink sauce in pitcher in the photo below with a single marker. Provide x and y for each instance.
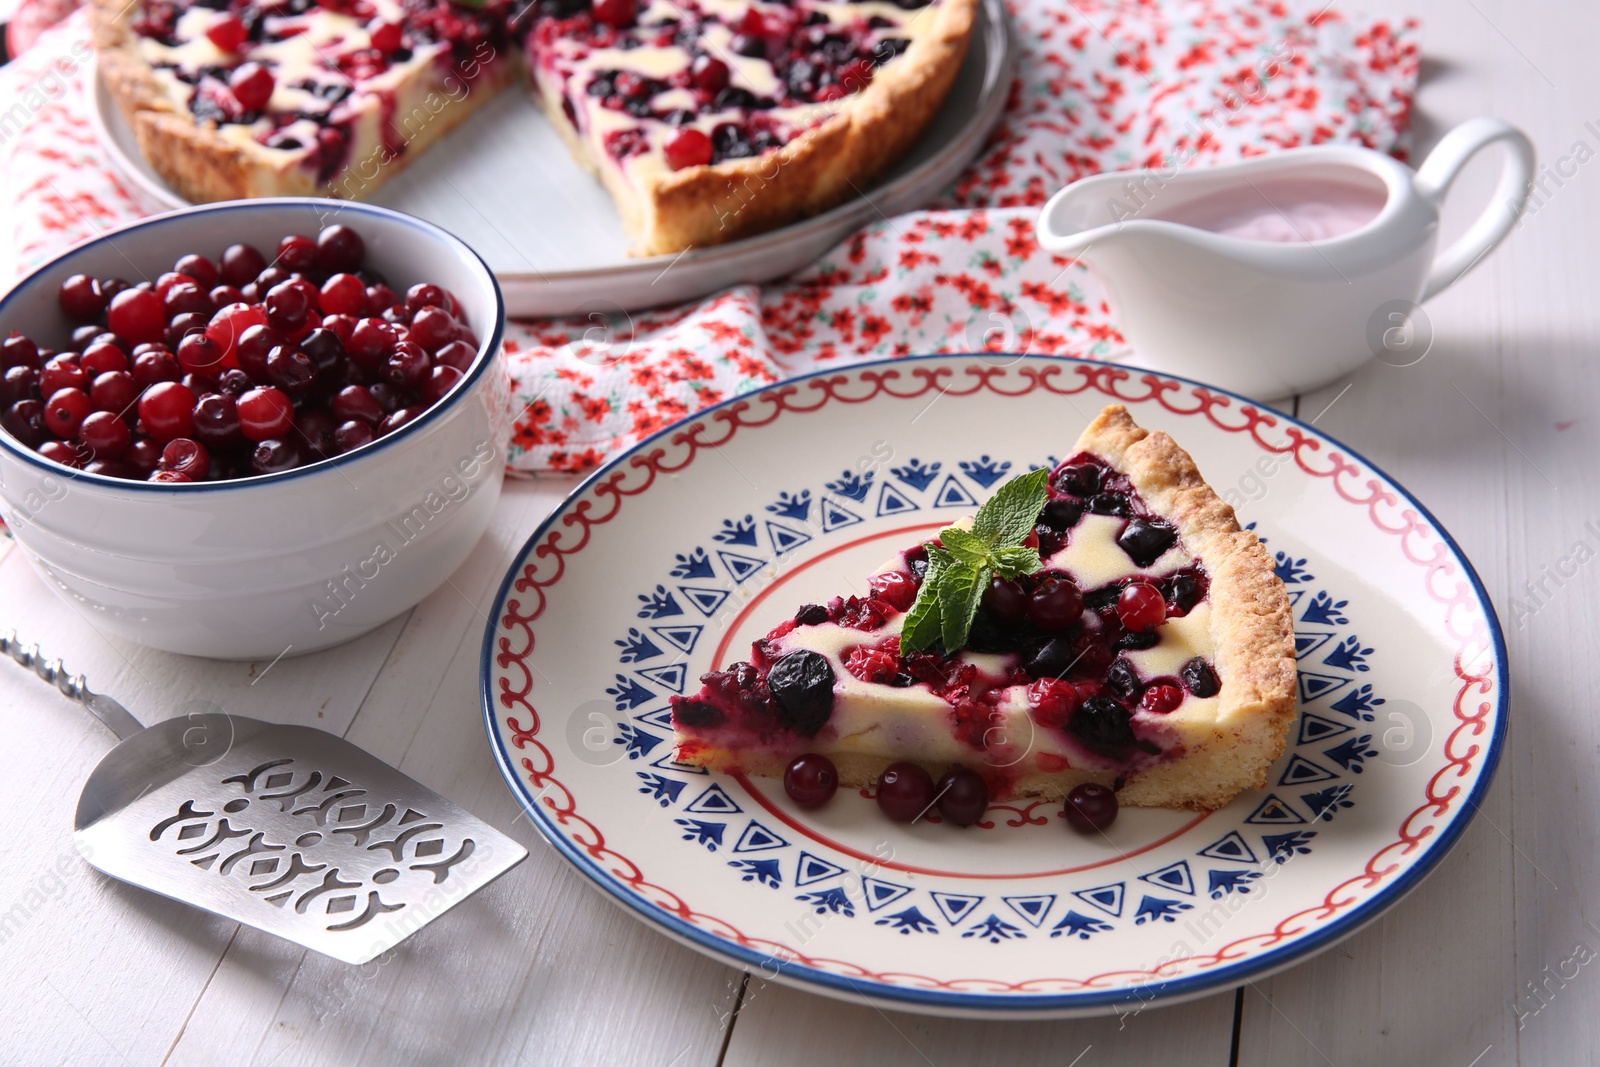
(1284, 210)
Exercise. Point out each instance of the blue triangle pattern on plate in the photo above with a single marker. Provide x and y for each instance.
(892, 502)
(705, 601)
(952, 494)
(1313, 686)
(1172, 876)
(671, 676)
(658, 717)
(1230, 847)
(1033, 909)
(954, 906)
(811, 869)
(757, 838)
(1273, 812)
(1314, 728)
(1108, 898)
(835, 517)
(682, 638)
(1305, 644)
(740, 566)
(879, 892)
(714, 801)
(784, 539)
(1302, 771)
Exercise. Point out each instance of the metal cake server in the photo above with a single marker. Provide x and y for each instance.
(286, 828)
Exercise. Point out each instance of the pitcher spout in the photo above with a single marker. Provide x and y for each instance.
(1094, 212)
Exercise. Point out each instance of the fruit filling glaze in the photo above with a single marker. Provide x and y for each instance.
(234, 367)
(1087, 663)
(682, 82)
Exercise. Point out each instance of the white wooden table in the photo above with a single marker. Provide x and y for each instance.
(1495, 959)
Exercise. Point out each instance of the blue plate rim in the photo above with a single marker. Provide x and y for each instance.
(1006, 1004)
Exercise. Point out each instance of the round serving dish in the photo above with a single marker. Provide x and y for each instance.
(277, 564)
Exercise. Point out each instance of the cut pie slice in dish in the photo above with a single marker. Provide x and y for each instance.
(1151, 652)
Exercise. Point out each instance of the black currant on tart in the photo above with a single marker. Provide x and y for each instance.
(1106, 622)
(706, 120)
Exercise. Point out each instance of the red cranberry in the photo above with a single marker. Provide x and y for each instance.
(223, 295)
(265, 413)
(1090, 807)
(101, 357)
(351, 435)
(343, 294)
(186, 456)
(687, 147)
(228, 33)
(81, 298)
(1141, 607)
(19, 383)
(1056, 604)
(171, 280)
(439, 383)
(229, 324)
(274, 455)
(255, 345)
(199, 384)
(252, 86)
(709, 73)
(356, 402)
(371, 342)
(1005, 601)
(457, 354)
(426, 295)
(380, 296)
(287, 307)
(240, 265)
(315, 428)
(155, 366)
(297, 253)
(407, 366)
(433, 327)
(216, 421)
(1161, 699)
(182, 326)
(963, 796)
(105, 434)
(24, 420)
(199, 354)
(61, 452)
(167, 411)
(135, 314)
(618, 13)
(62, 372)
(18, 351)
(142, 456)
(905, 791)
(198, 267)
(174, 477)
(114, 391)
(291, 370)
(811, 780)
(387, 396)
(186, 299)
(339, 248)
(65, 411)
(397, 418)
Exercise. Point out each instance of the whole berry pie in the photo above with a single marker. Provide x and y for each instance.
(1106, 622)
(706, 120)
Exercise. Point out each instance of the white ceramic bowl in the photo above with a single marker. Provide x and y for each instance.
(289, 562)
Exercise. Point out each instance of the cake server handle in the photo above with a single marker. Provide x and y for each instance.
(116, 718)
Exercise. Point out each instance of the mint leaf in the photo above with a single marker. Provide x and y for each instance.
(1008, 515)
(960, 589)
(965, 546)
(1016, 561)
(924, 621)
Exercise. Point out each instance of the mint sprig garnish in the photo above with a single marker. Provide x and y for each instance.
(959, 572)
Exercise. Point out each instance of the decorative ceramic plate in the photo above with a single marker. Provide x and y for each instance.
(670, 560)
(554, 260)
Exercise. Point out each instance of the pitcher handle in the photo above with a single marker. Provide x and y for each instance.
(1440, 169)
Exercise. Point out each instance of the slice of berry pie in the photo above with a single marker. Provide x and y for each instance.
(706, 120)
(1105, 622)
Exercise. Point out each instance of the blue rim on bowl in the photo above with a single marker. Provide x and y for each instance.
(486, 348)
(982, 1003)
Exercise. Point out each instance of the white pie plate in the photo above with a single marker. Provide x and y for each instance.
(677, 554)
(506, 185)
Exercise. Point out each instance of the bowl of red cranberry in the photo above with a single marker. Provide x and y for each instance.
(253, 427)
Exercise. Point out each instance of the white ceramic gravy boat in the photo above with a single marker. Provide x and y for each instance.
(1283, 272)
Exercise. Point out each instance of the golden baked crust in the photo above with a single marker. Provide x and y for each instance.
(1252, 639)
